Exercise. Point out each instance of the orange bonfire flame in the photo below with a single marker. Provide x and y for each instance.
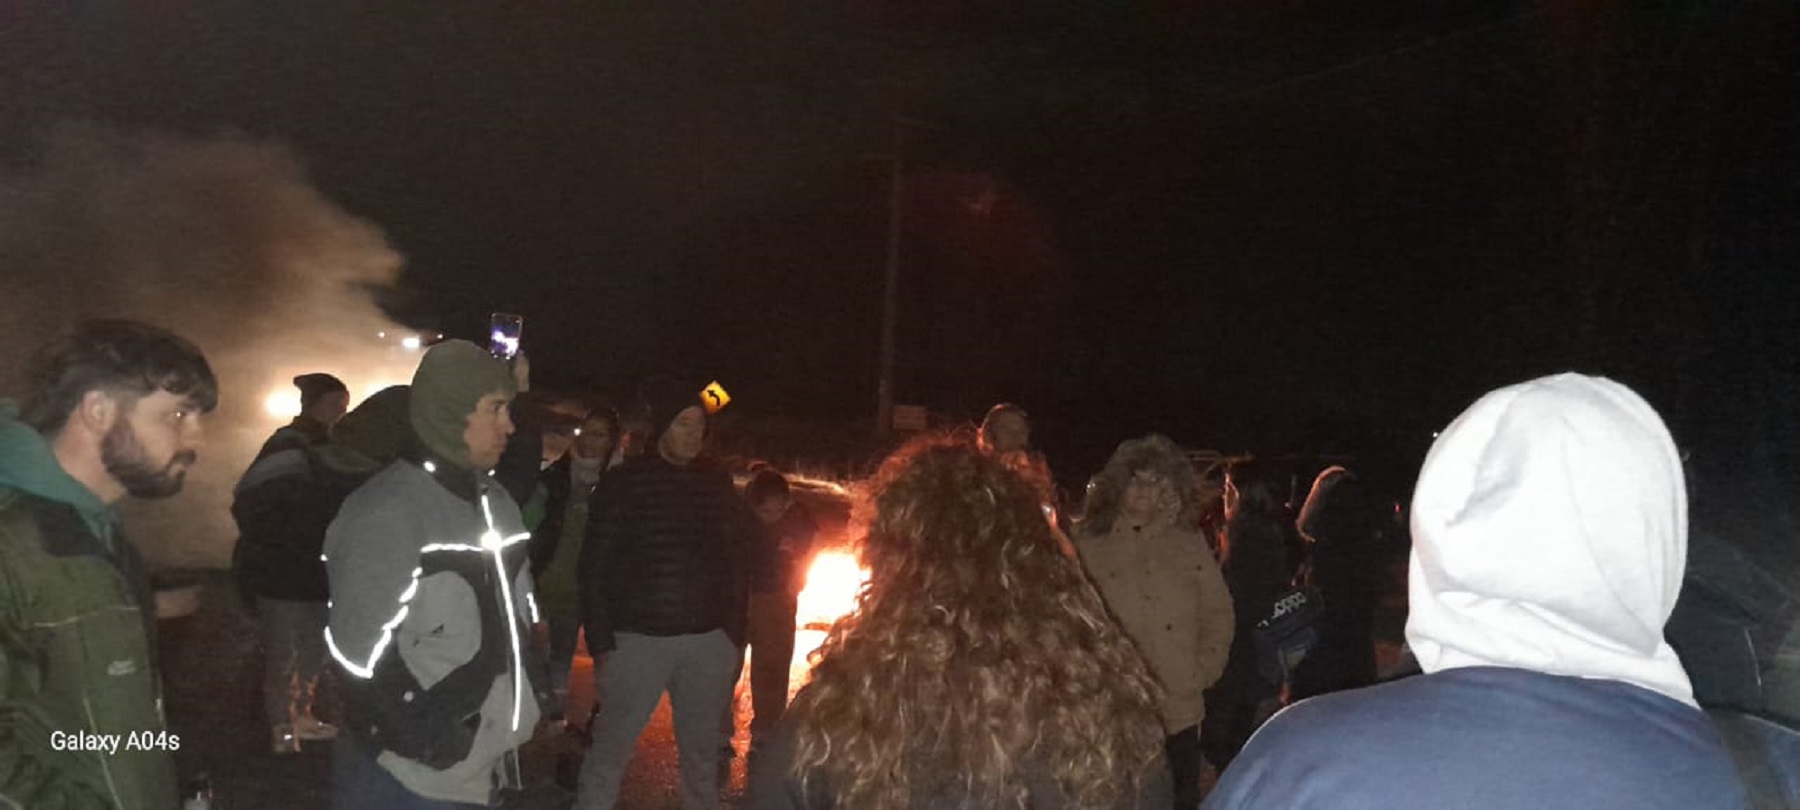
(832, 584)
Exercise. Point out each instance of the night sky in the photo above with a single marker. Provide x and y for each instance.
(1254, 226)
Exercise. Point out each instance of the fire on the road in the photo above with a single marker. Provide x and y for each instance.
(832, 584)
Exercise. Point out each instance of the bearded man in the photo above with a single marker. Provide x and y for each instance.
(113, 409)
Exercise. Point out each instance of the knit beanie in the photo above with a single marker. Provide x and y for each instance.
(664, 398)
(452, 377)
(372, 435)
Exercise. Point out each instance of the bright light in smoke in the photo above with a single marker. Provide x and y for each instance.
(410, 342)
(283, 403)
(92, 207)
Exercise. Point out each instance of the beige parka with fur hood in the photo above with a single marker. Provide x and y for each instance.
(1159, 578)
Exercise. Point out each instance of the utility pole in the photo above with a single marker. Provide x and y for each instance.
(890, 293)
(890, 289)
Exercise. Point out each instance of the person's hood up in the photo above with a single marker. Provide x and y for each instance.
(451, 379)
(1550, 534)
(372, 435)
(28, 464)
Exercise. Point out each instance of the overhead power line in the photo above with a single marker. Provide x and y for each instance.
(1428, 43)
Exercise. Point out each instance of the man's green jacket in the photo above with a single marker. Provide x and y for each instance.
(81, 722)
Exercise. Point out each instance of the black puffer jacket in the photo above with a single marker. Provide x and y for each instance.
(665, 553)
(282, 507)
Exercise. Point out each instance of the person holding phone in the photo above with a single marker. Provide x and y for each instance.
(432, 607)
(505, 333)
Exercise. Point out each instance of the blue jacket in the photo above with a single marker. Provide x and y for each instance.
(1485, 737)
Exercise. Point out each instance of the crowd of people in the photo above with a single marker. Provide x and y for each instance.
(445, 548)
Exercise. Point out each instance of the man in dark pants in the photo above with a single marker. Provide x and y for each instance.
(778, 572)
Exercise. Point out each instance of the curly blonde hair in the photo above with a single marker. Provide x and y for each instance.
(1154, 454)
(977, 656)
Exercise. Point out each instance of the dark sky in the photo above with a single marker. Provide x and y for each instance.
(1256, 226)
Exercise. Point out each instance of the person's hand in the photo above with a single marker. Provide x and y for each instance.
(521, 371)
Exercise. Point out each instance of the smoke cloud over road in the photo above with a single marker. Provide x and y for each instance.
(223, 240)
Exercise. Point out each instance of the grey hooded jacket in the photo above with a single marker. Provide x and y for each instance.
(431, 617)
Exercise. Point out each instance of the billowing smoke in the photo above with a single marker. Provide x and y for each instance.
(223, 240)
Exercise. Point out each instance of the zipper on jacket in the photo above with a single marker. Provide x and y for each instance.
(494, 543)
(105, 770)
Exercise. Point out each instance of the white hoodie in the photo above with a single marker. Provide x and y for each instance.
(1550, 534)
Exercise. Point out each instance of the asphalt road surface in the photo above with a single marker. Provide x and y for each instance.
(212, 664)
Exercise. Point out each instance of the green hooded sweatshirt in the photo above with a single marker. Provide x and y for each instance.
(81, 722)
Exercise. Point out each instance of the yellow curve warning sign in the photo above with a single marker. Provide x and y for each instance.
(715, 397)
